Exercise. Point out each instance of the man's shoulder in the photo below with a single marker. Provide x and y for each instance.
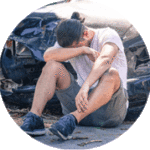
(108, 34)
(106, 30)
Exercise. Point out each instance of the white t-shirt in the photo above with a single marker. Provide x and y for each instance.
(83, 65)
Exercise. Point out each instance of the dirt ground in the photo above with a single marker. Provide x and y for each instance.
(18, 116)
(83, 137)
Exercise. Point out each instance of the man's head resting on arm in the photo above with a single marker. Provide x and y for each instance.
(72, 33)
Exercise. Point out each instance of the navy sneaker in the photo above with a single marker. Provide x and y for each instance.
(64, 127)
(33, 125)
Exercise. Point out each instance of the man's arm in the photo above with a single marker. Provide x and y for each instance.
(64, 54)
(102, 63)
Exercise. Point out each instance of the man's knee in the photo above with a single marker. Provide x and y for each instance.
(59, 72)
(51, 66)
(112, 76)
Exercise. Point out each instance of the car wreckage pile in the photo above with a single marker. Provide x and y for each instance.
(22, 56)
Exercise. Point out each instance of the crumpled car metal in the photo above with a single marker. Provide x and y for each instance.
(22, 56)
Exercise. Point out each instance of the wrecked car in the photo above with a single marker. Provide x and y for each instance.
(22, 56)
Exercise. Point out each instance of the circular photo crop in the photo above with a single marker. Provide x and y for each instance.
(74, 74)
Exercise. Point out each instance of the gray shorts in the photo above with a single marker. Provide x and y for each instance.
(109, 115)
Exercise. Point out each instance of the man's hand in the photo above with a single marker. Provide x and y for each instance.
(82, 99)
(91, 53)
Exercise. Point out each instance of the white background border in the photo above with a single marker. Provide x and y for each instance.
(12, 12)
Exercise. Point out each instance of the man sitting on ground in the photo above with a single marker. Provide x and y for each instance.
(98, 97)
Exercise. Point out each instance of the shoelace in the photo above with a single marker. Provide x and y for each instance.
(29, 119)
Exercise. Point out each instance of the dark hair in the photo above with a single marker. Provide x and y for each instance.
(77, 16)
(70, 30)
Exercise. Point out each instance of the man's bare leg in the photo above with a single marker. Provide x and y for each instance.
(54, 76)
(108, 85)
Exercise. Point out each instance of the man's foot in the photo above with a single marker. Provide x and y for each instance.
(64, 127)
(33, 125)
